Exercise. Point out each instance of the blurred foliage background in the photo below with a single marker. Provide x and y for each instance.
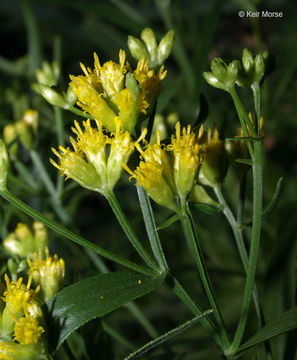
(69, 31)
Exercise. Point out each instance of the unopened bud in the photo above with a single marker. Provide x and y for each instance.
(137, 48)
(149, 38)
(52, 96)
(9, 136)
(165, 46)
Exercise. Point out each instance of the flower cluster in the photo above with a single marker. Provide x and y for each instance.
(96, 161)
(24, 242)
(114, 90)
(169, 172)
(22, 324)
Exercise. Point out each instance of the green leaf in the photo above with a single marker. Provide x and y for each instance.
(169, 221)
(274, 201)
(161, 339)
(286, 322)
(208, 209)
(93, 298)
(246, 138)
(244, 161)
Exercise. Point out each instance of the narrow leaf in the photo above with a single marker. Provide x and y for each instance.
(286, 322)
(274, 201)
(93, 298)
(161, 339)
(244, 161)
(169, 221)
(247, 138)
(208, 209)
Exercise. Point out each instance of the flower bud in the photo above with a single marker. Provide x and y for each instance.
(223, 76)
(31, 119)
(149, 38)
(70, 96)
(9, 136)
(4, 164)
(48, 273)
(23, 242)
(165, 46)
(215, 162)
(52, 96)
(252, 70)
(48, 74)
(155, 55)
(137, 48)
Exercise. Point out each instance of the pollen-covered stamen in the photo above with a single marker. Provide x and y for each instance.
(27, 329)
(17, 294)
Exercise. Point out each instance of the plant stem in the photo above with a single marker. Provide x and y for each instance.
(61, 141)
(72, 236)
(241, 248)
(78, 112)
(34, 48)
(196, 309)
(151, 228)
(243, 118)
(189, 228)
(123, 221)
(256, 232)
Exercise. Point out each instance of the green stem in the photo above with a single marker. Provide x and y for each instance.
(117, 336)
(254, 250)
(43, 174)
(72, 236)
(243, 118)
(142, 319)
(123, 221)
(34, 48)
(78, 112)
(257, 99)
(189, 228)
(196, 309)
(241, 248)
(61, 141)
(151, 228)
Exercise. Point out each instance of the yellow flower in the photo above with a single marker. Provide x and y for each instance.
(89, 164)
(17, 295)
(91, 100)
(154, 174)
(14, 351)
(48, 273)
(27, 330)
(111, 75)
(186, 159)
(149, 81)
(110, 91)
(24, 242)
(215, 162)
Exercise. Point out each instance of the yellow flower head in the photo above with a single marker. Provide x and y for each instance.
(17, 295)
(48, 273)
(154, 174)
(111, 75)
(149, 81)
(87, 163)
(27, 330)
(186, 158)
(215, 162)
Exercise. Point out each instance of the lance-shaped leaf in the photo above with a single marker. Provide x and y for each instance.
(93, 298)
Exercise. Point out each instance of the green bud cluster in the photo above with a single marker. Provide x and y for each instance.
(147, 46)
(247, 73)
